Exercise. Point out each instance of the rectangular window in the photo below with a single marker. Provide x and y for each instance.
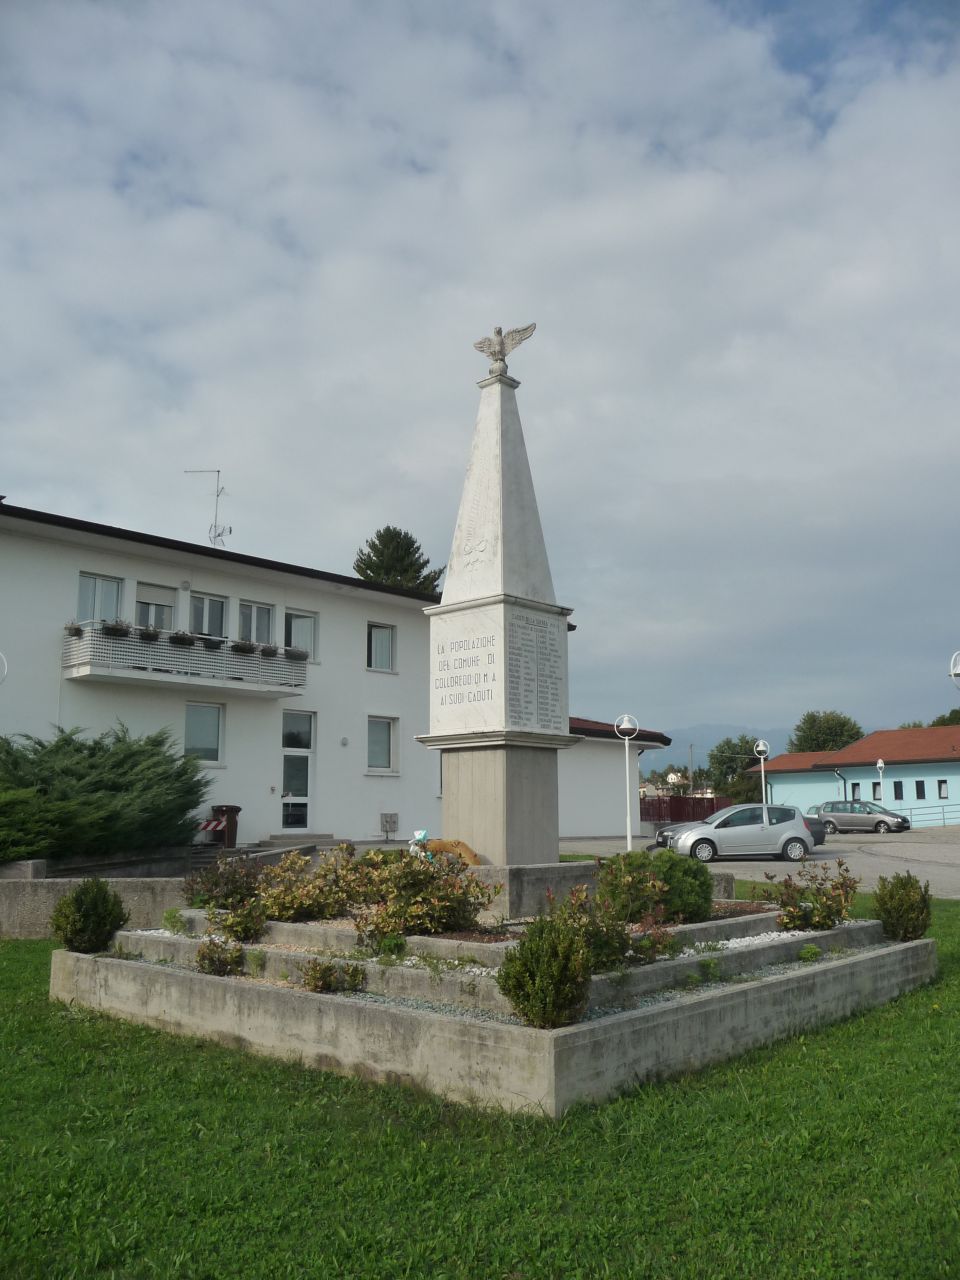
(256, 622)
(942, 789)
(380, 751)
(898, 791)
(876, 791)
(298, 631)
(155, 606)
(207, 615)
(921, 790)
(380, 647)
(98, 599)
(855, 791)
(298, 730)
(203, 731)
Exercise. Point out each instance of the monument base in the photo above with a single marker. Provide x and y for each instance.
(502, 801)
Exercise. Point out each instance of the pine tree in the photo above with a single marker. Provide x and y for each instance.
(395, 558)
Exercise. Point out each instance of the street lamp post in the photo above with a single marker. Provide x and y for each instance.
(761, 750)
(880, 768)
(627, 728)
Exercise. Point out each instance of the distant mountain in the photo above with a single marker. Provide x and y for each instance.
(705, 737)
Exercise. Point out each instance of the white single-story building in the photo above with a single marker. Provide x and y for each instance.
(301, 692)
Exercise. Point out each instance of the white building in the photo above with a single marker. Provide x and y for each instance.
(300, 691)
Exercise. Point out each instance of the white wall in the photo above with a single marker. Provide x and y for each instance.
(593, 789)
(39, 568)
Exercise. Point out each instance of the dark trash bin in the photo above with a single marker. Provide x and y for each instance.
(228, 812)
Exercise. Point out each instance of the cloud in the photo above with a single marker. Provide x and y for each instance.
(264, 239)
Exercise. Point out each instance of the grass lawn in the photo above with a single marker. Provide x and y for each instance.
(127, 1153)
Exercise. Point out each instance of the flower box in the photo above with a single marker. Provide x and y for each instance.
(118, 629)
(73, 629)
(182, 639)
(212, 642)
(149, 634)
(243, 646)
(268, 651)
(296, 655)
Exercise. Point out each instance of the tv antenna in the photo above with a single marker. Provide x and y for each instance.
(217, 531)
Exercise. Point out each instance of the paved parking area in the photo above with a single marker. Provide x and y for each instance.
(932, 853)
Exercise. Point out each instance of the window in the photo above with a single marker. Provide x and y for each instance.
(778, 814)
(203, 736)
(855, 791)
(921, 790)
(99, 598)
(298, 730)
(744, 818)
(876, 791)
(898, 791)
(298, 631)
(256, 622)
(380, 647)
(380, 735)
(942, 789)
(155, 606)
(207, 614)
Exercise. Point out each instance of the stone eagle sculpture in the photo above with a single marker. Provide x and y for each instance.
(501, 344)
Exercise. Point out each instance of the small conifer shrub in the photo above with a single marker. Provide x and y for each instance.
(219, 957)
(546, 976)
(903, 905)
(87, 918)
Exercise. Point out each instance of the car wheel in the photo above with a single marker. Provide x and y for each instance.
(703, 851)
(830, 828)
(795, 850)
(882, 828)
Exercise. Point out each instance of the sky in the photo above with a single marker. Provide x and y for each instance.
(264, 238)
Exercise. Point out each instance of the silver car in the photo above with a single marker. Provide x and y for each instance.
(859, 815)
(742, 831)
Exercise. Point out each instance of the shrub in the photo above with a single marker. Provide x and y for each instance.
(219, 957)
(638, 882)
(652, 941)
(816, 899)
(244, 923)
(604, 932)
(95, 796)
(87, 918)
(325, 975)
(398, 892)
(903, 905)
(546, 976)
(174, 921)
(293, 890)
(810, 953)
(229, 883)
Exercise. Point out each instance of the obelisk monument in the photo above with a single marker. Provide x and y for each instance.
(499, 710)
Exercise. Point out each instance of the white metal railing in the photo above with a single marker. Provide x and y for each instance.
(205, 659)
(932, 815)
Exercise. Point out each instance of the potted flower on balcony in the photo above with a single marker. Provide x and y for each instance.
(118, 628)
(73, 629)
(149, 633)
(212, 642)
(243, 646)
(293, 654)
(182, 639)
(268, 651)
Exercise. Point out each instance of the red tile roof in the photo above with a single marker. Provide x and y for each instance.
(602, 729)
(892, 746)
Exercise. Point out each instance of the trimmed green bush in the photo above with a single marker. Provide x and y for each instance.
(87, 918)
(604, 932)
(407, 894)
(220, 958)
(244, 923)
(546, 976)
(903, 905)
(228, 884)
(627, 881)
(95, 796)
(689, 895)
(637, 883)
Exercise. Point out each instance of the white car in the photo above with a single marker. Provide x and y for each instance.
(742, 831)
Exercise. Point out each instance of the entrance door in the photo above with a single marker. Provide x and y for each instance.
(297, 769)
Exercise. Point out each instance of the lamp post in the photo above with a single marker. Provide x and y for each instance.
(761, 750)
(627, 728)
(880, 768)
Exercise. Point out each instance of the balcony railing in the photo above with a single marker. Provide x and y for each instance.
(100, 654)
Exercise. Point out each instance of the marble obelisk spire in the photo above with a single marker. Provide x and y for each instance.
(498, 646)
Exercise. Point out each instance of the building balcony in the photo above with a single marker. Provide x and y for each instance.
(161, 662)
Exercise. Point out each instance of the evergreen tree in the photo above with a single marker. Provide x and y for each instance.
(728, 763)
(951, 717)
(395, 558)
(823, 731)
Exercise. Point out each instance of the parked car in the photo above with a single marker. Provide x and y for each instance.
(858, 815)
(742, 831)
